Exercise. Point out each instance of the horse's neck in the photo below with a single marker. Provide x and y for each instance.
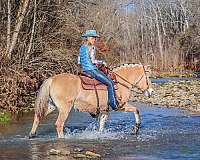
(126, 76)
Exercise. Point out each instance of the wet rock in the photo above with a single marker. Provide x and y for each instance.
(80, 156)
(65, 152)
(59, 152)
(184, 94)
(54, 152)
(78, 149)
(92, 154)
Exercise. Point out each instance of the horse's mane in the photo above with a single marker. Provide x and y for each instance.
(126, 65)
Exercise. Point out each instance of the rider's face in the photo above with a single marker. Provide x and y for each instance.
(91, 40)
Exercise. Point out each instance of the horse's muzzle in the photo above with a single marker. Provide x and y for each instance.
(148, 92)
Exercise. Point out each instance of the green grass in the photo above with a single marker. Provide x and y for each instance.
(5, 117)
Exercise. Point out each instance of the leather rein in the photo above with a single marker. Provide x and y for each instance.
(136, 83)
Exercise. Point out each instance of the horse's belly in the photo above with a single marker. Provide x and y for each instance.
(85, 107)
(89, 101)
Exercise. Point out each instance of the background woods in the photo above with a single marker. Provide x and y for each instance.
(40, 38)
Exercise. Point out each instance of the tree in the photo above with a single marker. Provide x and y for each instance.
(21, 14)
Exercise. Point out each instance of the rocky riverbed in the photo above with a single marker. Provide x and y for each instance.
(183, 94)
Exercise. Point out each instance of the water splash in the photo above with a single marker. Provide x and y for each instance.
(92, 133)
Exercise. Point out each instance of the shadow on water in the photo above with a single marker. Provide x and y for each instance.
(165, 134)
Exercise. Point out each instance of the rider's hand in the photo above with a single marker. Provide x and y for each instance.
(104, 63)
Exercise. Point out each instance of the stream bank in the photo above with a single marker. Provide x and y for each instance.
(182, 94)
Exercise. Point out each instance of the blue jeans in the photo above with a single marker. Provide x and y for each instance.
(100, 76)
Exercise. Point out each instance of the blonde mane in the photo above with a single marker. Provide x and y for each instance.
(126, 65)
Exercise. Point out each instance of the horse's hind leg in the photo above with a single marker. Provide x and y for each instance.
(36, 121)
(64, 110)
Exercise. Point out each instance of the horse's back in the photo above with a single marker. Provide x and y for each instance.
(65, 77)
(65, 85)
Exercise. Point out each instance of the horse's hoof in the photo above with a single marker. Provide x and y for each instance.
(32, 135)
(136, 128)
(61, 137)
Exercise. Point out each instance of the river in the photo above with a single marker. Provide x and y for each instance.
(165, 134)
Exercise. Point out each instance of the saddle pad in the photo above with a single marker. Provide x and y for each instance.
(92, 84)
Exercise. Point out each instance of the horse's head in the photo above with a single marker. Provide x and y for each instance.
(144, 83)
(135, 75)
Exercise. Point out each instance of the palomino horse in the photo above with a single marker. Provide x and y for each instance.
(64, 91)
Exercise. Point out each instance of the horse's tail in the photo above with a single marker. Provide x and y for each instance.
(41, 103)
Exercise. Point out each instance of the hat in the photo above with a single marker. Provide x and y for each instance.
(90, 33)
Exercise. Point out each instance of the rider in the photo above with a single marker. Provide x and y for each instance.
(87, 62)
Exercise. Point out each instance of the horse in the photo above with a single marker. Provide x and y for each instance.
(65, 91)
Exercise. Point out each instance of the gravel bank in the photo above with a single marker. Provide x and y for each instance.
(182, 94)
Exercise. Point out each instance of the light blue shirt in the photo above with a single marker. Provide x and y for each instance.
(85, 59)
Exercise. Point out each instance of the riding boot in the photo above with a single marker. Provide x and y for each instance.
(118, 106)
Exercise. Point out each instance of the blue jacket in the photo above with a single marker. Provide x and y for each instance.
(85, 60)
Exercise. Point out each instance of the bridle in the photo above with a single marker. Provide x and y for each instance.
(136, 83)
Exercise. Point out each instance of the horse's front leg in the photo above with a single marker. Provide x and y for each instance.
(129, 108)
(102, 121)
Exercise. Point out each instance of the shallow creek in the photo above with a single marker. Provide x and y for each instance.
(165, 134)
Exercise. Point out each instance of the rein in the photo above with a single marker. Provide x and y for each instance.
(132, 85)
(146, 71)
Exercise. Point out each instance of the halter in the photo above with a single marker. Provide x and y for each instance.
(136, 83)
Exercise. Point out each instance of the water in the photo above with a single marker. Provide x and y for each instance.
(165, 134)
(169, 79)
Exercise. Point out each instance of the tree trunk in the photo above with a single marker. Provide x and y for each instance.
(8, 27)
(186, 24)
(159, 37)
(32, 31)
(17, 27)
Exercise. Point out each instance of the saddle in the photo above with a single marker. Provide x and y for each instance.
(88, 83)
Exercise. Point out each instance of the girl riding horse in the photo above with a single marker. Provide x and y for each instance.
(87, 62)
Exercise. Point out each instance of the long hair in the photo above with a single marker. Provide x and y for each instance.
(84, 40)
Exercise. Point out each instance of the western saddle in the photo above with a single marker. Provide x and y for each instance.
(88, 83)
